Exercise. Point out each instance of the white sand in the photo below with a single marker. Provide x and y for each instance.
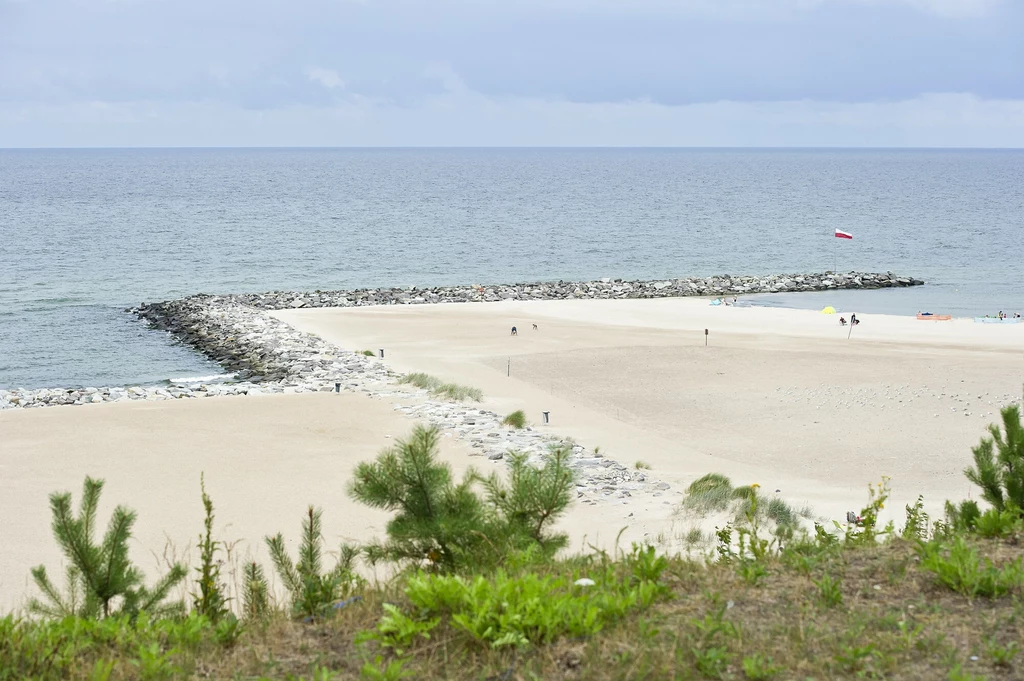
(780, 397)
(786, 398)
(265, 460)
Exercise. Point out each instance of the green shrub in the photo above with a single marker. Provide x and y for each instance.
(994, 523)
(368, 353)
(450, 525)
(532, 499)
(312, 590)
(516, 419)
(101, 579)
(398, 631)
(918, 522)
(999, 463)
(505, 610)
(866, 531)
(118, 646)
(959, 567)
(642, 466)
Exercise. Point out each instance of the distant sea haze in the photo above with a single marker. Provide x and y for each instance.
(84, 234)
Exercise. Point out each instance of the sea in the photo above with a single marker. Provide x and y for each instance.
(85, 234)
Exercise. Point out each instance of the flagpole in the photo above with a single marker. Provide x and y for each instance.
(835, 257)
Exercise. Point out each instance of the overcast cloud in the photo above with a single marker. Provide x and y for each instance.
(529, 72)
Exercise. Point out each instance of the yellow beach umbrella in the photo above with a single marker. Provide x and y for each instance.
(828, 310)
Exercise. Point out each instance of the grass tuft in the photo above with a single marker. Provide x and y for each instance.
(516, 419)
(642, 466)
(451, 391)
(368, 353)
(712, 492)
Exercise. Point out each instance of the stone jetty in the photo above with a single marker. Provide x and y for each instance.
(722, 285)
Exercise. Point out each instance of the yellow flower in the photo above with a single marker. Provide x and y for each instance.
(755, 485)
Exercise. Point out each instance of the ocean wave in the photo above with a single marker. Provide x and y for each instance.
(215, 378)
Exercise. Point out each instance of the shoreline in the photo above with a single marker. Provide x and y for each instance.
(176, 316)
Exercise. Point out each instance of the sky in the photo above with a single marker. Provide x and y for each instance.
(833, 73)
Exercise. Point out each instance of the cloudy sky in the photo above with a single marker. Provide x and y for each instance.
(513, 72)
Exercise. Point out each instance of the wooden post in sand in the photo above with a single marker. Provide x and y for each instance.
(705, 337)
(508, 370)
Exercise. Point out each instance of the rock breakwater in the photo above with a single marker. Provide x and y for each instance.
(721, 285)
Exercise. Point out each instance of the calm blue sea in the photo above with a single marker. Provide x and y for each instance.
(85, 233)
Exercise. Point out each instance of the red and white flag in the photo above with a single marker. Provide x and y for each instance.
(840, 234)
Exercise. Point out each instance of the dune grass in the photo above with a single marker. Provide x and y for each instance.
(438, 388)
(712, 492)
(368, 353)
(516, 419)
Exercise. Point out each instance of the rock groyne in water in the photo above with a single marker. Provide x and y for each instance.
(721, 285)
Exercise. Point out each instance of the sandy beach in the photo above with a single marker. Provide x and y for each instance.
(780, 397)
(786, 398)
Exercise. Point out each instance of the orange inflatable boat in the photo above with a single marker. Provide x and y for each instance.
(935, 317)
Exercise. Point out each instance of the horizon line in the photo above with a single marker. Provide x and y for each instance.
(515, 147)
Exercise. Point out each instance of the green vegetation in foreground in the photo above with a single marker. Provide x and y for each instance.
(516, 419)
(438, 388)
(937, 599)
(368, 353)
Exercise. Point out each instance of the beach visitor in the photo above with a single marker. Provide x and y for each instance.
(514, 332)
(853, 320)
(842, 321)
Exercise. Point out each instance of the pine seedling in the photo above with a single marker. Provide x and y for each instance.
(102, 579)
(210, 599)
(533, 497)
(999, 463)
(436, 519)
(255, 600)
(312, 590)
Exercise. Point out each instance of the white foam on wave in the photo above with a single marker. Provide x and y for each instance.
(216, 378)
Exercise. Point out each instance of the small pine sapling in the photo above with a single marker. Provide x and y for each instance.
(255, 599)
(436, 519)
(533, 498)
(210, 599)
(312, 590)
(999, 463)
(103, 581)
